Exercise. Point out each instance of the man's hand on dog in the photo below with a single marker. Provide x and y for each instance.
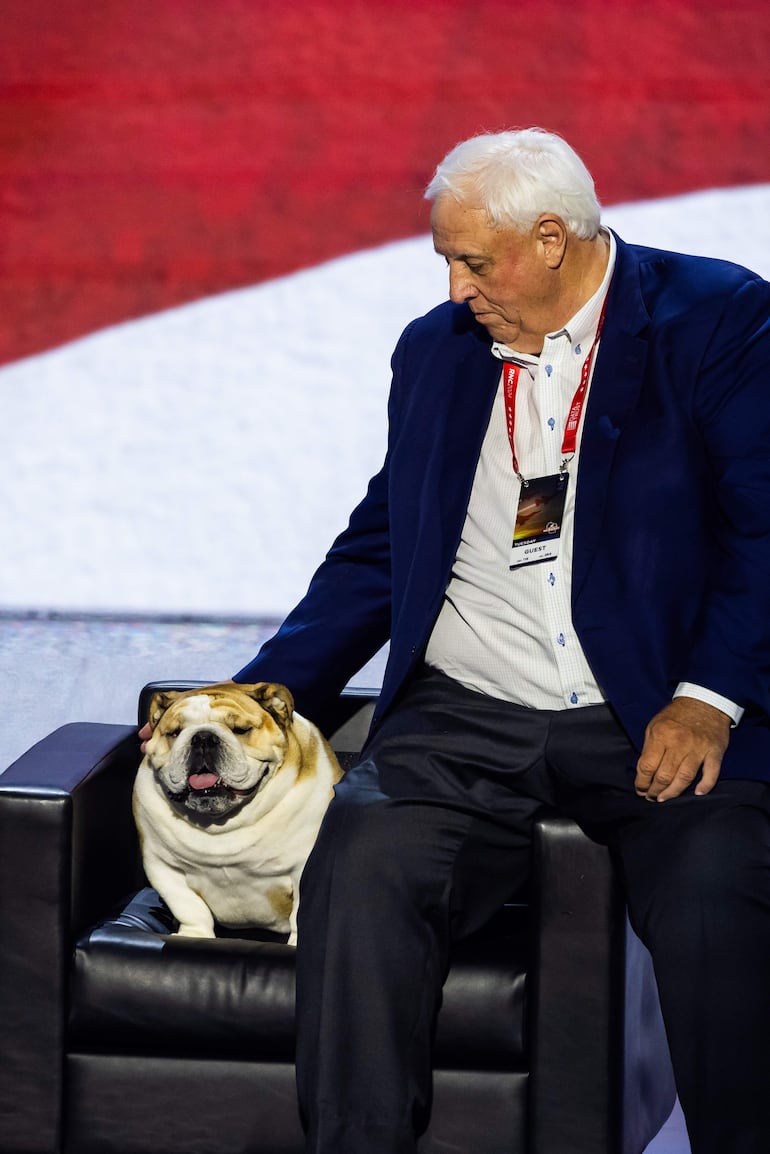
(145, 733)
(687, 736)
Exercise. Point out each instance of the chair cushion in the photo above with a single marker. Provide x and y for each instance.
(137, 989)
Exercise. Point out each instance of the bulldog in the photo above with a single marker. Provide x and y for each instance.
(228, 801)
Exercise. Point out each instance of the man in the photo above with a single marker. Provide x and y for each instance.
(568, 547)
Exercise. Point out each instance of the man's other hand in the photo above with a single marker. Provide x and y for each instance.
(684, 738)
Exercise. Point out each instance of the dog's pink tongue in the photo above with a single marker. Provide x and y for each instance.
(202, 780)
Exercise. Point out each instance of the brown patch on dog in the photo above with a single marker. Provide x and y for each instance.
(317, 742)
(281, 900)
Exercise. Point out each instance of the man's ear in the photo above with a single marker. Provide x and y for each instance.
(276, 699)
(159, 703)
(552, 234)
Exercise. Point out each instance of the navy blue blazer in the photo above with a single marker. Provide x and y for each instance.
(671, 561)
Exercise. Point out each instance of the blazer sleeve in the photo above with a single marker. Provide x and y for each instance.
(345, 616)
(730, 652)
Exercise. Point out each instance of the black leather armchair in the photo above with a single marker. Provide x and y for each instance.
(116, 1038)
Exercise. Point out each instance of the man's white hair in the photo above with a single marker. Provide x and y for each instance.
(518, 175)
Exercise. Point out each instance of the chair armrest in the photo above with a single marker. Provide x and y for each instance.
(600, 1047)
(68, 850)
(576, 994)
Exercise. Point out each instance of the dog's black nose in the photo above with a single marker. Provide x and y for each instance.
(204, 741)
(204, 750)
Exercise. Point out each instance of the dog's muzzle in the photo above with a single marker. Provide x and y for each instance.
(202, 774)
(206, 793)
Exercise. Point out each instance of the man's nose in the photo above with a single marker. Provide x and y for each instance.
(461, 286)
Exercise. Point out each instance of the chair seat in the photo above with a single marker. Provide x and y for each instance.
(138, 990)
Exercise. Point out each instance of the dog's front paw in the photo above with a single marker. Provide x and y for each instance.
(194, 932)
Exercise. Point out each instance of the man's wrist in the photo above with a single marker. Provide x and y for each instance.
(700, 693)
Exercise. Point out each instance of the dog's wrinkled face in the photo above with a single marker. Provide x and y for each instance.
(214, 749)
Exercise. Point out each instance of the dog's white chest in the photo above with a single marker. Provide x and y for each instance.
(241, 896)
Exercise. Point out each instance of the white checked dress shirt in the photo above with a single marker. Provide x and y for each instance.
(508, 632)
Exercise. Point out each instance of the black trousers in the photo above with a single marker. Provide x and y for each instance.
(430, 834)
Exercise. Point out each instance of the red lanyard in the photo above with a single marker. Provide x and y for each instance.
(569, 441)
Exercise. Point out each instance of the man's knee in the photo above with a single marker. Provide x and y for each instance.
(708, 874)
(396, 851)
(355, 835)
(725, 856)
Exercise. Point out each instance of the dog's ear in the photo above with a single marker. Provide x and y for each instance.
(276, 699)
(159, 703)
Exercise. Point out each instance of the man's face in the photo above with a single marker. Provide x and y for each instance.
(503, 275)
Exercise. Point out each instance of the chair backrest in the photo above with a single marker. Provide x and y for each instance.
(347, 731)
(355, 711)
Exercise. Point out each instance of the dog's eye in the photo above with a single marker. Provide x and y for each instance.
(172, 733)
(242, 729)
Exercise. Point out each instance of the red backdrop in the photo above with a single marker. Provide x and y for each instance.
(157, 151)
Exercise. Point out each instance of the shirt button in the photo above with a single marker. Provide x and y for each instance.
(561, 639)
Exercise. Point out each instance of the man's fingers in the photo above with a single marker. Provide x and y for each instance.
(686, 738)
(650, 761)
(711, 769)
(671, 784)
(645, 772)
(672, 774)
